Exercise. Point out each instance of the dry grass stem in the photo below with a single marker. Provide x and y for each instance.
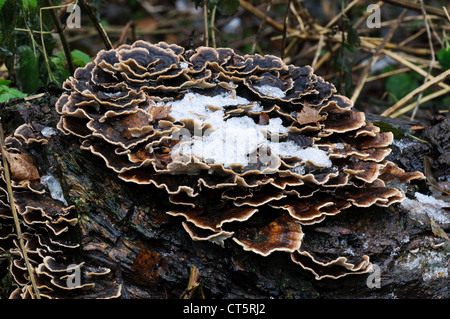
(446, 13)
(427, 98)
(260, 27)
(15, 215)
(205, 21)
(318, 49)
(343, 12)
(416, 6)
(441, 77)
(390, 73)
(366, 71)
(402, 59)
(101, 31)
(430, 43)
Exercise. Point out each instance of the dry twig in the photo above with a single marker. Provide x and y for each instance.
(64, 42)
(15, 215)
(416, 6)
(430, 43)
(101, 31)
(192, 284)
(365, 74)
(420, 89)
(261, 25)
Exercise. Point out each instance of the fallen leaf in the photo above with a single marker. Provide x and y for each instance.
(429, 175)
(417, 128)
(309, 115)
(160, 112)
(437, 230)
(21, 166)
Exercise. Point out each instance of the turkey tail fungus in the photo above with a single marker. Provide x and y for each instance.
(246, 147)
(45, 223)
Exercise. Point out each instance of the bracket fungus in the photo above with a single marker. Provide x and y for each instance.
(44, 223)
(246, 147)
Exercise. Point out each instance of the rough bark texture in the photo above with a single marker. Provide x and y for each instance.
(124, 227)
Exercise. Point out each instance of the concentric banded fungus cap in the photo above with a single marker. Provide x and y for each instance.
(45, 222)
(334, 269)
(246, 147)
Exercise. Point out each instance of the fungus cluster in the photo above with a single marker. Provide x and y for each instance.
(246, 147)
(45, 224)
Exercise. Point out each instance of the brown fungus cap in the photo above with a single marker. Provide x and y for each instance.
(45, 222)
(334, 269)
(246, 147)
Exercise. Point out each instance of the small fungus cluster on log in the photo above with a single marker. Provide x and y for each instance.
(246, 147)
(45, 223)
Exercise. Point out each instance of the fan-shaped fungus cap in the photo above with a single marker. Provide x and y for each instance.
(44, 221)
(334, 269)
(281, 234)
(235, 141)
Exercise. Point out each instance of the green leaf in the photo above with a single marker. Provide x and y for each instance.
(228, 7)
(2, 2)
(58, 66)
(7, 93)
(80, 59)
(5, 82)
(399, 85)
(9, 16)
(27, 4)
(398, 131)
(27, 69)
(443, 56)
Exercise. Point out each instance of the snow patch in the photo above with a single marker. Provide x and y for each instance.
(54, 187)
(311, 154)
(339, 146)
(195, 106)
(403, 143)
(234, 140)
(230, 143)
(425, 199)
(429, 206)
(184, 65)
(233, 26)
(270, 91)
(48, 131)
(432, 264)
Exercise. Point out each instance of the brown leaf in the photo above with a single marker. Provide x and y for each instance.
(437, 230)
(309, 115)
(21, 166)
(429, 175)
(160, 112)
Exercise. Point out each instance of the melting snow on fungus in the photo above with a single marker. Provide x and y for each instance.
(264, 147)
